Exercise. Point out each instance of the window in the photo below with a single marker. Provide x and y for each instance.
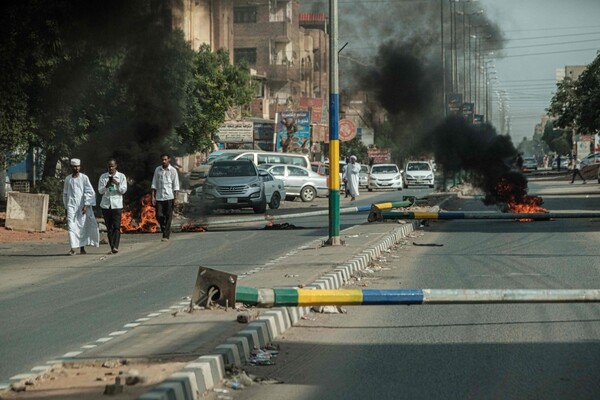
(244, 15)
(278, 171)
(248, 54)
(293, 171)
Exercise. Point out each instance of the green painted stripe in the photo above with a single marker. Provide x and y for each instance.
(286, 297)
(334, 213)
(246, 295)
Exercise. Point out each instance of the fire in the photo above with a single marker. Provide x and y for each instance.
(192, 228)
(147, 221)
(518, 202)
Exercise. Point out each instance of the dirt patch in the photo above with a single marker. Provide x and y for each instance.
(90, 380)
(52, 234)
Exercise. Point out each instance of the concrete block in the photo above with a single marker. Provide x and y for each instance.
(230, 354)
(217, 366)
(27, 211)
(251, 336)
(243, 346)
(203, 375)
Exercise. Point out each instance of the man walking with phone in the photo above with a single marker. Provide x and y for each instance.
(165, 185)
(112, 185)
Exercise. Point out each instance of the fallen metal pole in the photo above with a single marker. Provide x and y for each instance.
(267, 217)
(377, 208)
(483, 215)
(221, 288)
(372, 297)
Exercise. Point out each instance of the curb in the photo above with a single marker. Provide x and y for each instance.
(208, 371)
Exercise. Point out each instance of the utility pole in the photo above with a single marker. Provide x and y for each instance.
(334, 142)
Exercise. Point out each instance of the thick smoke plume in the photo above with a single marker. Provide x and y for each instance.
(486, 157)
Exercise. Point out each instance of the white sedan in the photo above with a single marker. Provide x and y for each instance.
(384, 176)
(299, 181)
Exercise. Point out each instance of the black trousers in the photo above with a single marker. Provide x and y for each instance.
(575, 173)
(112, 219)
(164, 215)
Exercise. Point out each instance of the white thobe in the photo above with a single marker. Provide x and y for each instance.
(351, 174)
(83, 228)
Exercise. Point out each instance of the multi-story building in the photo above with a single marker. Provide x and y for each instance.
(270, 37)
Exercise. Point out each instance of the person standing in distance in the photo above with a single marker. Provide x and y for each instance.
(165, 185)
(351, 175)
(112, 185)
(78, 199)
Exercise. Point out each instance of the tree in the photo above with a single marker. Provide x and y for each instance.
(354, 147)
(576, 104)
(216, 86)
(558, 140)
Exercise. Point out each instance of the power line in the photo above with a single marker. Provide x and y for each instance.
(549, 52)
(553, 36)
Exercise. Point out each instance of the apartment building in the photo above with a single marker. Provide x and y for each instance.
(291, 59)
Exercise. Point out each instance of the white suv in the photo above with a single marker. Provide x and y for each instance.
(419, 173)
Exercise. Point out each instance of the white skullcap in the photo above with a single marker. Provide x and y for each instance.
(75, 162)
(353, 157)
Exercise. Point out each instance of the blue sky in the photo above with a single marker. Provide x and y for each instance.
(535, 30)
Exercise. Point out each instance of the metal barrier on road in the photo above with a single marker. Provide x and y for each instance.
(446, 215)
(221, 288)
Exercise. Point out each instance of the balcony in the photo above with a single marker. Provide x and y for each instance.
(281, 31)
(283, 73)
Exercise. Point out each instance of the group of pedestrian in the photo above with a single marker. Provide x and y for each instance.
(79, 198)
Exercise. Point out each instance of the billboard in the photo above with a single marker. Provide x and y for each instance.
(380, 156)
(235, 132)
(293, 132)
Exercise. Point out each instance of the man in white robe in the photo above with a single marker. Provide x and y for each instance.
(351, 175)
(78, 199)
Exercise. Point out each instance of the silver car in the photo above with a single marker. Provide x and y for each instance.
(233, 185)
(385, 176)
(299, 181)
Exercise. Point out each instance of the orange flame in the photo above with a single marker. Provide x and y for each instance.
(147, 221)
(523, 205)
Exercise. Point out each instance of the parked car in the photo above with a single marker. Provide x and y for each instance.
(363, 176)
(384, 176)
(530, 164)
(419, 173)
(590, 159)
(236, 184)
(320, 168)
(299, 181)
(259, 157)
(564, 163)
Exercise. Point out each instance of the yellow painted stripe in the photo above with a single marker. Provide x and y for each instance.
(426, 215)
(334, 164)
(307, 297)
(383, 206)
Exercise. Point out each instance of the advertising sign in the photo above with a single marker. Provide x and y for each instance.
(380, 156)
(315, 106)
(236, 132)
(468, 111)
(263, 135)
(454, 102)
(293, 132)
(347, 130)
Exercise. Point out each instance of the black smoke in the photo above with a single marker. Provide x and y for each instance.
(487, 158)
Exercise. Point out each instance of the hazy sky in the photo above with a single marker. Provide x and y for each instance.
(543, 35)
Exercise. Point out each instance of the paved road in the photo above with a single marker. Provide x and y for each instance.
(461, 351)
(51, 304)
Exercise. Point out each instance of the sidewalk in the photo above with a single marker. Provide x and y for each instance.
(199, 344)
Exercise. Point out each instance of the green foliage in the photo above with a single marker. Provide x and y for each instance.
(576, 104)
(354, 147)
(54, 188)
(216, 86)
(558, 140)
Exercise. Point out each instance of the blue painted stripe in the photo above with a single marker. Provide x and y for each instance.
(334, 109)
(363, 208)
(392, 296)
(451, 215)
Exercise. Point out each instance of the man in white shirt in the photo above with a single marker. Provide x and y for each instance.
(78, 199)
(165, 185)
(112, 185)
